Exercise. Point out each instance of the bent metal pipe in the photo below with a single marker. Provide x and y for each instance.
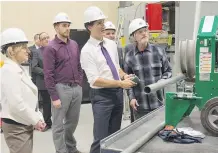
(159, 85)
(135, 146)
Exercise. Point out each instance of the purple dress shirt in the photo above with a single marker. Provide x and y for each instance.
(61, 63)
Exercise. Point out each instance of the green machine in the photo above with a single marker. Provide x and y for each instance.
(198, 83)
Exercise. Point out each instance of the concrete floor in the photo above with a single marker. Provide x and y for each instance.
(43, 142)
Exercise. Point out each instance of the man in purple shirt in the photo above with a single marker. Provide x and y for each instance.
(63, 79)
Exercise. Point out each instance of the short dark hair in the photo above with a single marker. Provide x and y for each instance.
(36, 36)
(89, 24)
(56, 24)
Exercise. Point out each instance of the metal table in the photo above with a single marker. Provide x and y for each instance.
(126, 137)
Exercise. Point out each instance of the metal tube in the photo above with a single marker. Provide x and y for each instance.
(137, 144)
(197, 19)
(159, 85)
(177, 67)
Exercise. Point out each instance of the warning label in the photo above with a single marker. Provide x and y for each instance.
(205, 62)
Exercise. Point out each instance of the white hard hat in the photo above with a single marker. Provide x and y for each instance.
(109, 25)
(93, 13)
(136, 24)
(13, 36)
(61, 17)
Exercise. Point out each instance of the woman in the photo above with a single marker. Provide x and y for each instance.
(19, 95)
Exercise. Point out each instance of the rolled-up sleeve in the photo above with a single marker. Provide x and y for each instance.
(49, 71)
(89, 66)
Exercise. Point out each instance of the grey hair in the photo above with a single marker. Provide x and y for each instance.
(5, 50)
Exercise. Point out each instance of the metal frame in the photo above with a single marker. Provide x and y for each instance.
(135, 128)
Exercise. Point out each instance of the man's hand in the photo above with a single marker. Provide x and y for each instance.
(128, 76)
(127, 84)
(56, 103)
(134, 104)
(40, 126)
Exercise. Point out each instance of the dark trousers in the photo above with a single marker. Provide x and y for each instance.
(46, 101)
(132, 119)
(140, 113)
(107, 106)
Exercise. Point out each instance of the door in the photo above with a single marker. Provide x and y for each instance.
(81, 37)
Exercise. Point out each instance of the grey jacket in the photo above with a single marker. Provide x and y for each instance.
(37, 68)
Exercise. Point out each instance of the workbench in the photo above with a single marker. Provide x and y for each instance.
(126, 137)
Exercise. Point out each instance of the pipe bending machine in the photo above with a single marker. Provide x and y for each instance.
(197, 86)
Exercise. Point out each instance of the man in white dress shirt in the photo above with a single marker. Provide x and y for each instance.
(99, 59)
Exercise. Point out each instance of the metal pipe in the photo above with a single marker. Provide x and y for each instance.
(177, 67)
(159, 85)
(197, 19)
(137, 144)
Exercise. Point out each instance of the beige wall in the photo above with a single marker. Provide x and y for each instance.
(35, 17)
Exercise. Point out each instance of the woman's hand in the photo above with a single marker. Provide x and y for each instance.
(40, 126)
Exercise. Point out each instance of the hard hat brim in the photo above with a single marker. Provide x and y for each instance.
(138, 29)
(14, 43)
(89, 21)
(110, 29)
(63, 22)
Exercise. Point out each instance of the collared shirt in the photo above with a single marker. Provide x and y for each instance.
(42, 48)
(150, 66)
(61, 63)
(94, 63)
(37, 47)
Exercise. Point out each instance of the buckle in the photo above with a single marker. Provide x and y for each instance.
(71, 84)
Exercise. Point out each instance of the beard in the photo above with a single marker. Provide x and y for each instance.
(144, 40)
(65, 34)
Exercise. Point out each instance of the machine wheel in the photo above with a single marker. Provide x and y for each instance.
(190, 58)
(182, 50)
(209, 116)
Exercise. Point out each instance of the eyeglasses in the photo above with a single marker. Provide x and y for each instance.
(100, 22)
(45, 38)
(143, 30)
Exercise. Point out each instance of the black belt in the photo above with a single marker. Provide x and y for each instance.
(107, 89)
(10, 121)
(70, 84)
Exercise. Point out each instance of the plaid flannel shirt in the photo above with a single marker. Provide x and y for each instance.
(150, 66)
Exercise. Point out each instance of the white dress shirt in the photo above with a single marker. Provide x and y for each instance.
(19, 95)
(94, 63)
(37, 47)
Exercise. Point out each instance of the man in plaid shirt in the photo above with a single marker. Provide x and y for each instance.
(150, 64)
